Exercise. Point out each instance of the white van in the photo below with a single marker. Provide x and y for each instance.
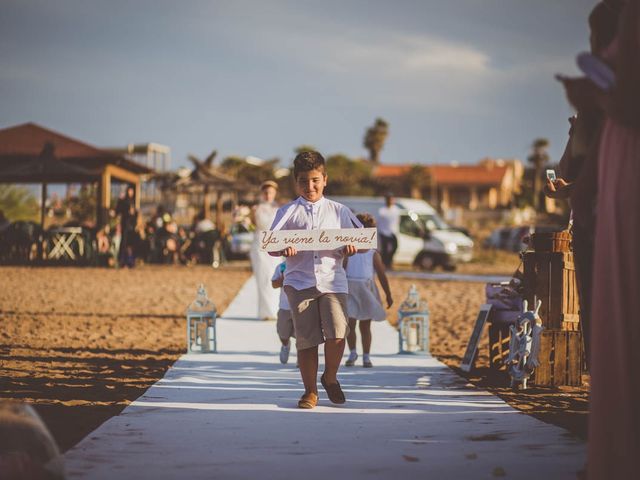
(425, 240)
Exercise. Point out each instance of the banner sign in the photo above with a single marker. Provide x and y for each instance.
(276, 240)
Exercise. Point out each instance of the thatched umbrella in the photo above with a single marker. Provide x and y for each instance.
(206, 179)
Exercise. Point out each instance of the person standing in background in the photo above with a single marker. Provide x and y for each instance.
(262, 263)
(578, 172)
(388, 228)
(128, 215)
(614, 418)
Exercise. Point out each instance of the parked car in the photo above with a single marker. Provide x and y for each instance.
(516, 239)
(498, 238)
(425, 240)
(238, 241)
(519, 238)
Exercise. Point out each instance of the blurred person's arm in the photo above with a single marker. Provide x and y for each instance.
(378, 266)
(558, 188)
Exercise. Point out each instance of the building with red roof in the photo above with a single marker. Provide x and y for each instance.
(490, 184)
(30, 153)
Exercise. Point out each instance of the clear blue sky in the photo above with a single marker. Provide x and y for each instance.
(457, 80)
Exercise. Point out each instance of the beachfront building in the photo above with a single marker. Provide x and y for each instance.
(488, 185)
(154, 156)
(30, 153)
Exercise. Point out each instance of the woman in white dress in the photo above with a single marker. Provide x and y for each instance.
(262, 263)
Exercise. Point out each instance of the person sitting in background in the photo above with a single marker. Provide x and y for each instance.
(103, 245)
(27, 448)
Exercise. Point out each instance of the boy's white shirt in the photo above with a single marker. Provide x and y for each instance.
(319, 268)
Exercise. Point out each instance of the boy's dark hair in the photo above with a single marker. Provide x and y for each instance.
(603, 22)
(307, 161)
(368, 221)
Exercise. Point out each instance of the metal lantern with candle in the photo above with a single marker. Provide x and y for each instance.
(201, 324)
(413, 324)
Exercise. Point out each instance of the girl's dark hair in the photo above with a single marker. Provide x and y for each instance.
(603, 22)
(368, 221)
(307, 161)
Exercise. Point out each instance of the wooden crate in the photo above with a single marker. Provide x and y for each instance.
(499, 337)
(551, 277)
(560, 359)
(560, 355)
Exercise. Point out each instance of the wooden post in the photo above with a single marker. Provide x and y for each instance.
(137, 194)
(444, 201)
(219, 222)
(207, 202)
(104, 201)
(43, 206)
(43, 214)
(473, 200)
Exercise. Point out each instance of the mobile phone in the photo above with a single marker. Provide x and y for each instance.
(551, 174)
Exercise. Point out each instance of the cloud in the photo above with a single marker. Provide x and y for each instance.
(392, 68)
(399, 55)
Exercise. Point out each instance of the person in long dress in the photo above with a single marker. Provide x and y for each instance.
(262, 263)
(614, 420)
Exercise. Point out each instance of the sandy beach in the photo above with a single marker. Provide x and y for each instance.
(81, 344)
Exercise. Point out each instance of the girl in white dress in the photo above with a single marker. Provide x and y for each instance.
(262, 263)
(363, 301)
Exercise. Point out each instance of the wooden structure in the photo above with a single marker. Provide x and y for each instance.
(152, 155)
(197, 187)
(560, 359)
(560, 355)
(550, 277)
(30, 153)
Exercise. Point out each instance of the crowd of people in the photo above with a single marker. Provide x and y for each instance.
(129, 239)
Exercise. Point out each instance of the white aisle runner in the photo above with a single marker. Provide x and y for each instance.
(233, 415)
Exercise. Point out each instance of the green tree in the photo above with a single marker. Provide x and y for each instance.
(418, 179)
(348, 176)
(374, 139)
(304, 148)
(83, 206)
(18, 203)
(538, 158)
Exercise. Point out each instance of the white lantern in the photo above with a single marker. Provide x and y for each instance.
(413, 324)
(201, 324)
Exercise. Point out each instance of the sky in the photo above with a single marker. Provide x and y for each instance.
(457, 80)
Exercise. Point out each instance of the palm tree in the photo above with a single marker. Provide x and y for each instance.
(205, 174)
(253, 171)
(539, 158)
(374, 139)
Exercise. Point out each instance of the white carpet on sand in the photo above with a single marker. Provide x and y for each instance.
(233, 415)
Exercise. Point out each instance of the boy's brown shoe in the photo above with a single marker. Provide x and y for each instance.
(334, 392)
(308, 400)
